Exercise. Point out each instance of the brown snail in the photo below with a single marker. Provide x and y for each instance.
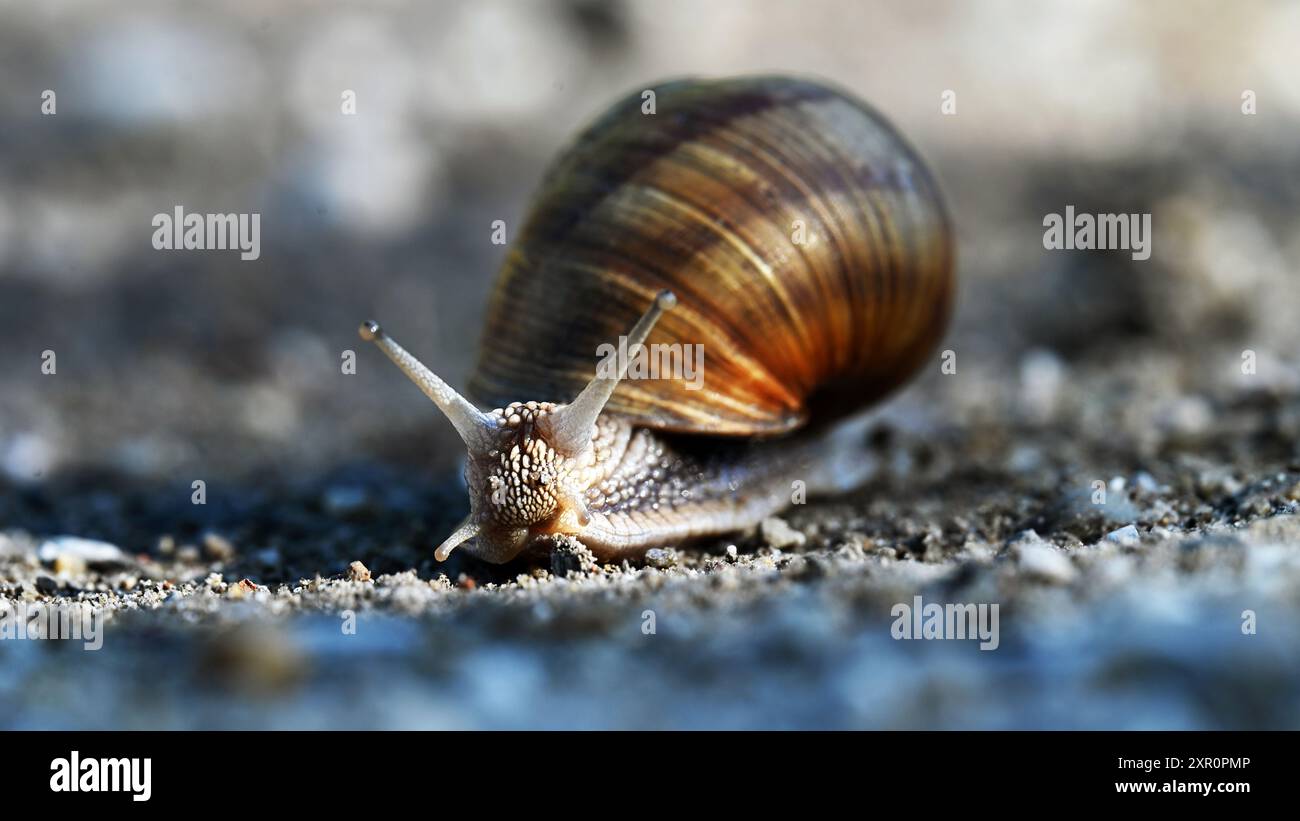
(804, 246)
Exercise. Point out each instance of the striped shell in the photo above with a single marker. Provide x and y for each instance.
(704, 198)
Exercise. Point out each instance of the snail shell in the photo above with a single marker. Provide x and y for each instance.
(707, 198)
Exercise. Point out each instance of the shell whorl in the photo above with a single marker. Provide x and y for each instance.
(705, 197)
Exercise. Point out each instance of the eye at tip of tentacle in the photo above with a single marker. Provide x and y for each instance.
(370, 330)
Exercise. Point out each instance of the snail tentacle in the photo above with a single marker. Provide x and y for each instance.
(473, 425)
(467, 530)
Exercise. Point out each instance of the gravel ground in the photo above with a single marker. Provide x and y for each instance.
(1127, 613)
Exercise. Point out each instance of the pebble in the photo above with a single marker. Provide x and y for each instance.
(662, 558)
(571, 556)
(358, 572)
(89, 551)
(69, 565)
(1040, 560)
(218, 548)
(777, 533)
(241, 589)
(1126, 536)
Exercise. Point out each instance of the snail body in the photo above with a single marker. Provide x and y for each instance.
(796, 238)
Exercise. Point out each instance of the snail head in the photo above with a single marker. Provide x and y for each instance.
(528, 464)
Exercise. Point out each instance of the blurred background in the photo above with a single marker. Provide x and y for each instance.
(195, 361)
(177, 365)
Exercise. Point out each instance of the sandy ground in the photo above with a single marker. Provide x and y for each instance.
(1127, 613)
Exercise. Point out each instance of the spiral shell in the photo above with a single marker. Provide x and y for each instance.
(707, 197)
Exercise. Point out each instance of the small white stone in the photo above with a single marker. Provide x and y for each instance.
(87, 550)
(1042, 561)
(661, 557)
(778, 534)
(1126, 536)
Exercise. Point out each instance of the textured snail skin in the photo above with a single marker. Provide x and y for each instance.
(635, 490)
(698, 206)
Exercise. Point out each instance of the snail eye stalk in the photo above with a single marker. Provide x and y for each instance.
(472, 424)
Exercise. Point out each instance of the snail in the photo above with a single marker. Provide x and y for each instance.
(781, 225)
